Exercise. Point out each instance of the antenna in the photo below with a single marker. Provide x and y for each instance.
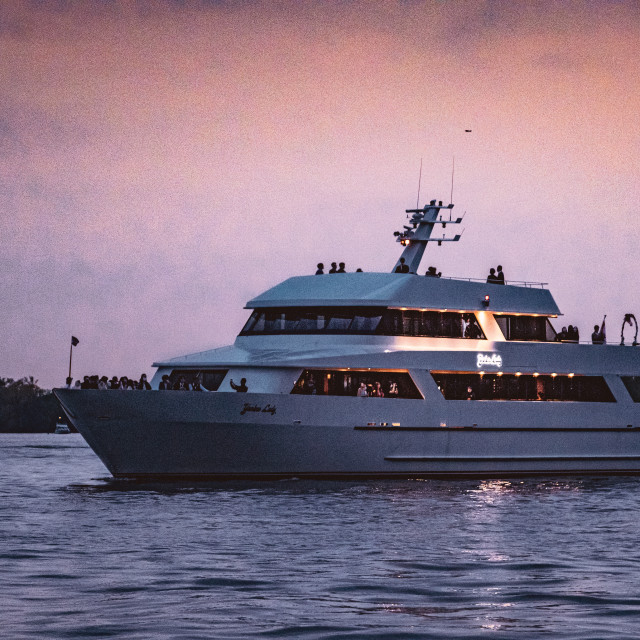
(453, 168)
(419, 181)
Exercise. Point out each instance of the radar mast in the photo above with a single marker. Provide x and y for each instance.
(417, 234)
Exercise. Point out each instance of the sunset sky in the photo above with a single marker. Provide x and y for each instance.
(163, 162)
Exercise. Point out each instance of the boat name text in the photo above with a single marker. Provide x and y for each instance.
(486, 360)
(257, 408)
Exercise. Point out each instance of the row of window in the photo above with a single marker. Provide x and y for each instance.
(632, 383)
(392, 322)
(364, 320)
(510, 386)
(453, 385)
(526, 328)
(376, 384)
(210, 379)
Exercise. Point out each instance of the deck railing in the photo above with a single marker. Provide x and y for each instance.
(515, 283)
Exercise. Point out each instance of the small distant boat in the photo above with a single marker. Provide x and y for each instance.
(62, 426)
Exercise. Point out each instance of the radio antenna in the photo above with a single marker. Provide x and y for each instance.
(453, 168)
(419, 181)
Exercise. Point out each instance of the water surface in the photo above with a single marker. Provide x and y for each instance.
(85, 556)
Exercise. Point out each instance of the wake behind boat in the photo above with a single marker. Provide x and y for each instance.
(380, 375)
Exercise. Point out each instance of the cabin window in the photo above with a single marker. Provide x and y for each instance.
(632, 383)
(366, 383)
(536, 328)
(211, 378)
(509, 386)
(363, 321)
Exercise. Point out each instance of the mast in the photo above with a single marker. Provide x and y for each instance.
(417, 235)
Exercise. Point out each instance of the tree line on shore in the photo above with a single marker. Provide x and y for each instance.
(25, 407)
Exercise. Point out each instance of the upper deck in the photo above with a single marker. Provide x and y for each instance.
(400, 290)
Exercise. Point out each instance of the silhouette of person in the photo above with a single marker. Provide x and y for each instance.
(320, 270)
(400, 265)
(358, 270)
(334, 268)
(69, 383)
(563, 335)
(143, 384)
(310, 386)
(197, 383)
(341, 269)
(241, 388)
(596, 336)
(181, 385)
(165, 385)
(500, 275)
(492, 276)
(377, 391)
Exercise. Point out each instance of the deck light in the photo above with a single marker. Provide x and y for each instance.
(518, 373)
(553, 375)
(404, 242)
(571, 375)
(486, 300)
(500, 373)
(535, 375)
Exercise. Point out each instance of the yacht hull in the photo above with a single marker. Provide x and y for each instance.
(173, 435)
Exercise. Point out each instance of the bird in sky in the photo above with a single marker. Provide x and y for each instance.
(467, 130)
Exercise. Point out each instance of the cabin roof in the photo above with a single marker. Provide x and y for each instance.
(404, 290)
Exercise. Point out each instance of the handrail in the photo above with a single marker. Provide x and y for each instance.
(516, 283)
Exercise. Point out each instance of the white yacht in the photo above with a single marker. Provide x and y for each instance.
(380, 375)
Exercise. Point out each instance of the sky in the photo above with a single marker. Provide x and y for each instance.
(162, 162)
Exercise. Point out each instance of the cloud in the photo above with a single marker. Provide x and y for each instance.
(165, 161)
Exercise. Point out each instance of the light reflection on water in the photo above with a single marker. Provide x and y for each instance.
(84, 555)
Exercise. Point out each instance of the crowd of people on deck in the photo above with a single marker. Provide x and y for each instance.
(568, 334)
(496, 277)
(103, 383)
(131, 384)
(336, 267)
(340, 267)
(375, 390)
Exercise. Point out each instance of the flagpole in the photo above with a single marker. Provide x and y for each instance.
(70, 356)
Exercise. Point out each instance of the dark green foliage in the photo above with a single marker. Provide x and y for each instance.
(25, 407)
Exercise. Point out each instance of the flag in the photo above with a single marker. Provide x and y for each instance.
(74, 341)
(603, 332)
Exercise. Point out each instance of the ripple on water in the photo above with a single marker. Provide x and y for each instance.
(83, 555)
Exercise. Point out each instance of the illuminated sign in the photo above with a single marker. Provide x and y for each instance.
(486, 360)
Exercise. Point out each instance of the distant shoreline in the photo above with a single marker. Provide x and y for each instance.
(23, 404)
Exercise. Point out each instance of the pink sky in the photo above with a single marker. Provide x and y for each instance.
(163, 162)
